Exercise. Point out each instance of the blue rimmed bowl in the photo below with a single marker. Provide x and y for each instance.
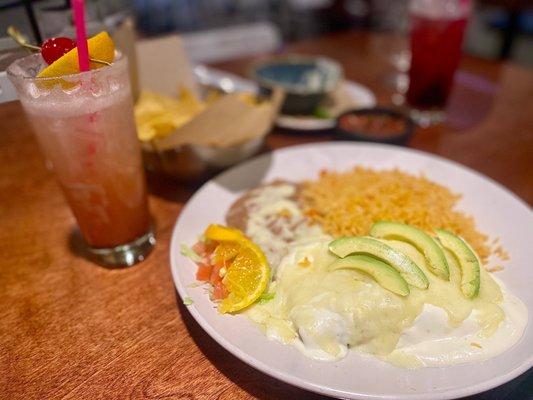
(306, 80)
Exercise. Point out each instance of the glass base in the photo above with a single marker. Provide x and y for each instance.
(425, 118)
(124, 255)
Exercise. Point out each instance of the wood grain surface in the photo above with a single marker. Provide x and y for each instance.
(72, 330)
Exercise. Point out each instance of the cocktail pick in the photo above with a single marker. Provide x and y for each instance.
(23, 41)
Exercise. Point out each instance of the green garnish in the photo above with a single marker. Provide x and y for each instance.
(265, 298)
(321, 112)
(189, 253)
(188, 301)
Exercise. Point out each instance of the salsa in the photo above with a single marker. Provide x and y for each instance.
(373, 125)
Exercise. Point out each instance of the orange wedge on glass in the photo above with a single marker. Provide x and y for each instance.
(247, 271)
(101, 47)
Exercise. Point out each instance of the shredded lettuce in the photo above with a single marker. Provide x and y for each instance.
(265, 298)
(189, 253)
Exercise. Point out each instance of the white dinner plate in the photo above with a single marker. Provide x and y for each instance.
(498, 213)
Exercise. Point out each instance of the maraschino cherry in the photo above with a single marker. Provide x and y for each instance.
(54, 48)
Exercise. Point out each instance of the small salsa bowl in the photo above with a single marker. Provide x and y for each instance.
(380, 125)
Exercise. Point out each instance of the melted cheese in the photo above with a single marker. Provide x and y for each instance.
(275, 221)
(325, 313)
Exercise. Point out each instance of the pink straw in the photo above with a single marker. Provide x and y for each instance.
(78, 6)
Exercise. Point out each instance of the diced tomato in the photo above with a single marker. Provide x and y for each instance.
(215, 274)
(210, 246)
(199, 248)
(210, 273)
(219, 291)
(204, 272)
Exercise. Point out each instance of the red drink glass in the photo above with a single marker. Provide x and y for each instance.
(85, 127)
(437, 32)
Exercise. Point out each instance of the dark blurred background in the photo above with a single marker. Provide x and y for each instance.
(497, 30)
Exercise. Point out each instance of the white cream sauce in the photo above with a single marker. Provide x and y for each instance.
(276, 222)
(325, 313)
(431, 341)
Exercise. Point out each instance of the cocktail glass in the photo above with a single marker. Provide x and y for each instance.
(437, 30)
(85, 127)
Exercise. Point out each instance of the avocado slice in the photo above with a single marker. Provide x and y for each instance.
(404, 265)
(468, 261)
(383, 273)
(432, 252)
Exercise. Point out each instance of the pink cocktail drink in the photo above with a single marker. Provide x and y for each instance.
(437, 30)
(84, 125)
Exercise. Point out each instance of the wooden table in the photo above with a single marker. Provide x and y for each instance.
(70, 329)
